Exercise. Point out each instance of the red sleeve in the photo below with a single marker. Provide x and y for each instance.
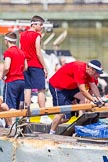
(7, 54)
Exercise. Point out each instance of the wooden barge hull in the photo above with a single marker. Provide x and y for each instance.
(51, 148)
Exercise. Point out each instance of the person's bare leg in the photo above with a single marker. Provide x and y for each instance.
(41, 101)
(64, 120)
(82, 101)
(4, 107)
(41, 98)
(8, 121)
(12, 120)
(27, 97)
(56, 121)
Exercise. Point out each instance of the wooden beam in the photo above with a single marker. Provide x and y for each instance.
(45, 111)
(101, 109)
(13, 113)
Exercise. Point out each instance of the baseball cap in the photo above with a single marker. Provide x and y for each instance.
(96, 65)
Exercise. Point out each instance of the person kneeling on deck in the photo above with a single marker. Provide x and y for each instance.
(69, 83)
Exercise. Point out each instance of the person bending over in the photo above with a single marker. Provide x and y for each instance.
(69, 82)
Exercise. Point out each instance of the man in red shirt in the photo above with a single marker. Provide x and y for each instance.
(30, 43)
(13, 74)
(69, 83)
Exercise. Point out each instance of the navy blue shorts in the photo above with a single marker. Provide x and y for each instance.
(14, 93)
(63, 97)
(34, 78)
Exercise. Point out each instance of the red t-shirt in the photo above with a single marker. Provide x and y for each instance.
(87, 85)
(17, 64)
(70, 75)
(27, 42)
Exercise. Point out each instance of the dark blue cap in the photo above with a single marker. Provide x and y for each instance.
(96, 65)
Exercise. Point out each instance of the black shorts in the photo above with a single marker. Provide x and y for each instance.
(14, 93)
(34, 78)
(63, 97)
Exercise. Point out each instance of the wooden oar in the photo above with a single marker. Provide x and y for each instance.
(13, 113)
(101, 109)
(45, 111)
(51, 110)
